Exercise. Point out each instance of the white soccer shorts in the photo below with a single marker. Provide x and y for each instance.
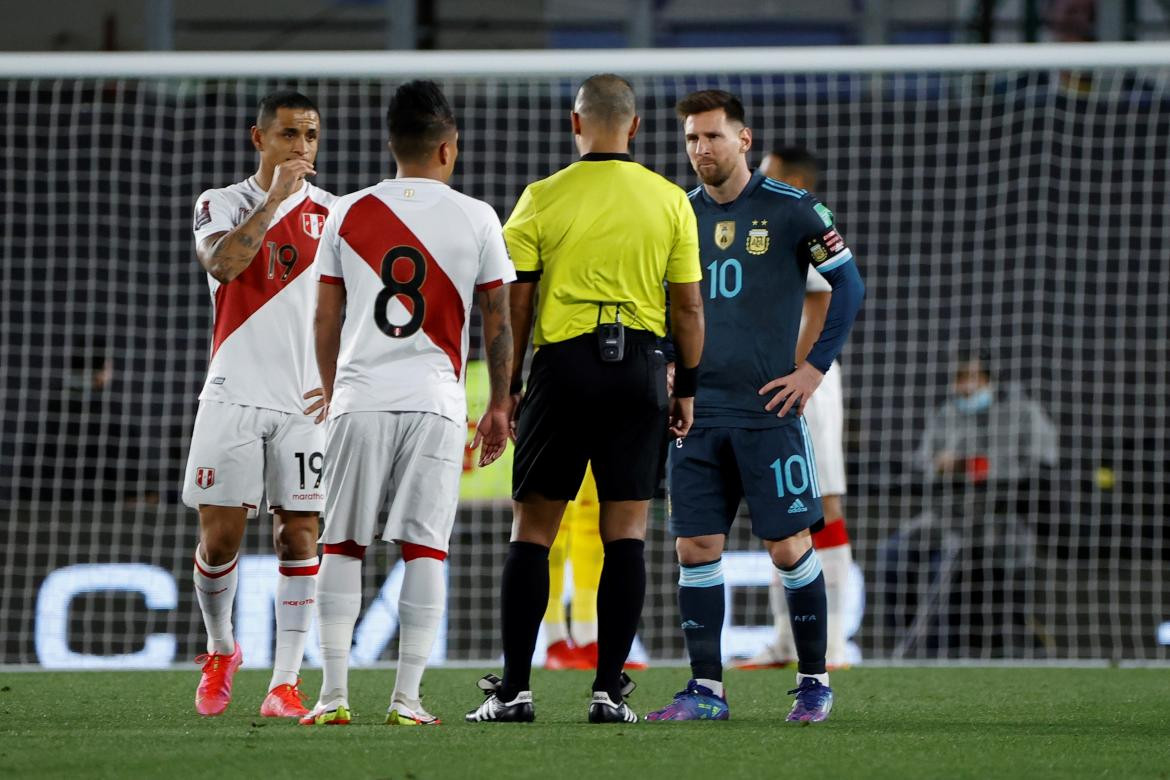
(825, 415)
(242, 453)
(414, 459)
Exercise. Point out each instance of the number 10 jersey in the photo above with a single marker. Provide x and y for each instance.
(411, 253)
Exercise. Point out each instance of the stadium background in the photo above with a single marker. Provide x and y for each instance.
(1005, 209)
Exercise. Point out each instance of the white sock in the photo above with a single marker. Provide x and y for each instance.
(716, 686)
(822, 678)
(835, 563)
(785, 643)
(215, 588)
(420, 610)
(295, 588)
(584, 633)
(554, 632)
(339, 602)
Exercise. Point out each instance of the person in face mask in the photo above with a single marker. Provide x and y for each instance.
(986, 457)
(983, 433)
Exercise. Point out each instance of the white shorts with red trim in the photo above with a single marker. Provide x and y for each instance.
(240, 454)
(410, 462)
(825, 415)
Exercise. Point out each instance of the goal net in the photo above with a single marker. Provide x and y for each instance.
(1008, 203)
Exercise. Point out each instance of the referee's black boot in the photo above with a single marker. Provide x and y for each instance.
(494, 710)
(603, 709)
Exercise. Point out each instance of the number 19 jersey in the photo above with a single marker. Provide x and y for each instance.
(411, 254)
(261, 351)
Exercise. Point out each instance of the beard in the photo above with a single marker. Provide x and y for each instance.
(714, 176)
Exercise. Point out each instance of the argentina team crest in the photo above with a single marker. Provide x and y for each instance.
(724, 233)
(758, 239)
(313, 224)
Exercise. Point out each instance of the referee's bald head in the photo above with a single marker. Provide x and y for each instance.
(606, 99)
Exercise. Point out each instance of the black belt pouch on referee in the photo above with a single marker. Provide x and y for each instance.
(580, 408)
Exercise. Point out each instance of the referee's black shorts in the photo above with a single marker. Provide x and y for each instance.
(579, 409)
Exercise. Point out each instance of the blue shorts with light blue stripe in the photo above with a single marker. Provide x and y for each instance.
(774, 469)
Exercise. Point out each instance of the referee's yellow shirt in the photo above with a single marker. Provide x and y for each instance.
(603, 229)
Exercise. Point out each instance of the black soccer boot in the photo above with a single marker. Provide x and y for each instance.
(518, 710)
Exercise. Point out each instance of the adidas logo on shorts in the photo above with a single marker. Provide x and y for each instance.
(797, 507)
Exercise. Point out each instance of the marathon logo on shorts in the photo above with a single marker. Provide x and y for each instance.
(313, 224)
(204, 477)
(203, 216)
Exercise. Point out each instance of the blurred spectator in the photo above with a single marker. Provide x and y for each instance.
(958, 574)
(86, 446)
(982, 434)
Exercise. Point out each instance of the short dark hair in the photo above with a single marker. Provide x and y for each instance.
(607, 98)
(285, 98)
(709, 100)
(419, 119)
(979, 355)
(798, 157)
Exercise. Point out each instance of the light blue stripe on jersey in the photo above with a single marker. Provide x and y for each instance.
(777, 183)
(695, 191)
(802, 575)
(706, 576)
(813, 474)
(785, 190)
(836, 262)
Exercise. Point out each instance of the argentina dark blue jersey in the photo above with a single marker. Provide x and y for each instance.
(755, 252)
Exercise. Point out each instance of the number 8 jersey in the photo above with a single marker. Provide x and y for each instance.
(411, 254)
(262, 350)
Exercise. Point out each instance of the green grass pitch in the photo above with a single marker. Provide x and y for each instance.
(888, 722)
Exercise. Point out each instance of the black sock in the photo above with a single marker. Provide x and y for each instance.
(808, 610)
(523, 598)
(701, 607)
(619, 608)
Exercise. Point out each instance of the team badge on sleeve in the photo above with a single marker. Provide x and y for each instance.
(203, 215)
(204, 477)
(724, 233)
(313, 224)
(758, 239)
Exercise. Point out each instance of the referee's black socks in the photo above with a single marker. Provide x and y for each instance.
(523, 599)
(619, 608)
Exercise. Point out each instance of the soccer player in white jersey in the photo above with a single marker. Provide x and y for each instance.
(825, 415)
(399, 265)
(256, 240)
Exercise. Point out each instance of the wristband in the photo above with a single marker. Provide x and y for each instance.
(516, 387)
(686, 381)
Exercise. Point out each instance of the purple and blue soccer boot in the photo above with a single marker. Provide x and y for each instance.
(697, 702)
(813, 704)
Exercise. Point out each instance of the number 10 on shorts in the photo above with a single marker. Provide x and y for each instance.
(791, 475)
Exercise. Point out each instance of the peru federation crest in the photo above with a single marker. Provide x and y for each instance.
(204, 477)
(724, 233)
(313, 224)
(758, 239)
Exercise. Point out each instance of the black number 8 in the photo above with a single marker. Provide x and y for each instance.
(410, 289)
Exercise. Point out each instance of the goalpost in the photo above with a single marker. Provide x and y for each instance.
(1009, 199)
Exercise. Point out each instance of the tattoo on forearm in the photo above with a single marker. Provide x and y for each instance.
(499, 359)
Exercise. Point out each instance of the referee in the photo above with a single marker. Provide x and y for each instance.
(592, 245)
